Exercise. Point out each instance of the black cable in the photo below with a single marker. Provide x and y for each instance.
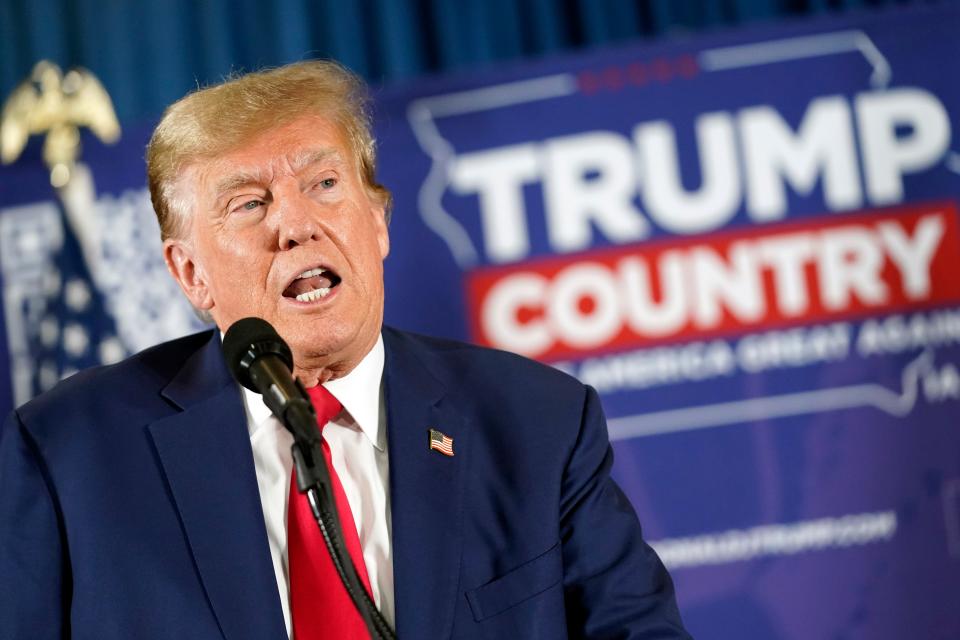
(313, 480)
(320, 497)
(328, 521)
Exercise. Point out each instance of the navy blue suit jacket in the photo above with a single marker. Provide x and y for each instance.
(129, 506)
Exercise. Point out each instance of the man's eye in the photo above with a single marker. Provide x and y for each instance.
(328, 183)
(244, 206)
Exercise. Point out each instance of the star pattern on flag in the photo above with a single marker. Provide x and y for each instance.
(72, 324)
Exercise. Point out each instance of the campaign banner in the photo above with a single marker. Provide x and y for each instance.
(746, 241)
(748, 244)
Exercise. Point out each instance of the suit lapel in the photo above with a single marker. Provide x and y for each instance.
(206, 457)
(426, 493)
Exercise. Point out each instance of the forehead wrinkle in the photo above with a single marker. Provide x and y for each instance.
(306, 157)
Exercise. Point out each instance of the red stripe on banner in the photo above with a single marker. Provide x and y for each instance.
(845, 266)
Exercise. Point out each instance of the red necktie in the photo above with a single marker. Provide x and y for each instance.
(320, 606)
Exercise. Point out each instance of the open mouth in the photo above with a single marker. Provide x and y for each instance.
(312, 285)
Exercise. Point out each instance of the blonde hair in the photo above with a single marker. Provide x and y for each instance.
(218, 119)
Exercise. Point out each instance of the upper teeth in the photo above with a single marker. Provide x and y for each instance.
(315, 294)
(309, 274)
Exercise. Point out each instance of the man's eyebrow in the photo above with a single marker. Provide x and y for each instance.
(237, 180)
(298, 162)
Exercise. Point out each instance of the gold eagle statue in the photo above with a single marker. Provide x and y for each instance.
(58, 105)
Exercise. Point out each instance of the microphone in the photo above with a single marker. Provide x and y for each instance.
(261, 361)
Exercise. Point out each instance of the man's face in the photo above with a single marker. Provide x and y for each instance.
(284, 229)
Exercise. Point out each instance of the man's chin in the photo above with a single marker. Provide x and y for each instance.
(314, 348)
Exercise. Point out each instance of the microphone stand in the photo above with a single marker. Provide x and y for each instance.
(313, 479)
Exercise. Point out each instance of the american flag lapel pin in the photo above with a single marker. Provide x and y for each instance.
(441, 442)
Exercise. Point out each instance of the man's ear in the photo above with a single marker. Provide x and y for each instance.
(383, 236)
(182, 265)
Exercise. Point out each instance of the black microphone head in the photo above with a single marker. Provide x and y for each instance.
(249, 339)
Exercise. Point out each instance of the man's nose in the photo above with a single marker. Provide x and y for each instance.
(296, 219)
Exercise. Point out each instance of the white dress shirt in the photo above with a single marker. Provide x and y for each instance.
(358, 446)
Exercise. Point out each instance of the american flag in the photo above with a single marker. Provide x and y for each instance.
(441, 442)
(57, 320)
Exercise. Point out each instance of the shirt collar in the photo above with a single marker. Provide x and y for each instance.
(358, 392)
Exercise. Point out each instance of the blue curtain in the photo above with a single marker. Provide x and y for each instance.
(150, 52)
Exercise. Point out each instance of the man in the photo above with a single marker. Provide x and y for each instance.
(151, 499)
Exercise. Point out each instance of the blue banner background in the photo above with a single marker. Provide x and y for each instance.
(768, 471)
